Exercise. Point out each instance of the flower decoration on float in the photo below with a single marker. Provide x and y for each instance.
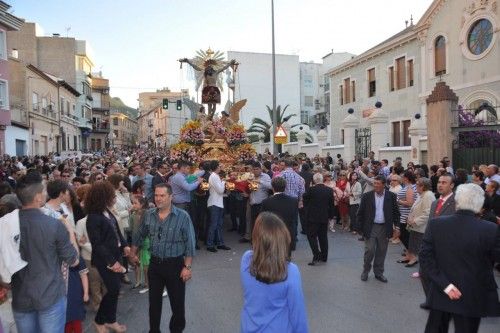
(184, 152)
(219, 127)
(236, 135)
(244, 152)
(192, 133)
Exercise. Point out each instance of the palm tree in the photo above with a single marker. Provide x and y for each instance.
(262, 127)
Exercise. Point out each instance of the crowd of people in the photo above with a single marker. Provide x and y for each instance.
(78, 226)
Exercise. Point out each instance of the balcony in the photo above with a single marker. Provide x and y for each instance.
(19, 117)
(84, 123)
(100, 128)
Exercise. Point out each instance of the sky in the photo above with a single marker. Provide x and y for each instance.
(136, 44)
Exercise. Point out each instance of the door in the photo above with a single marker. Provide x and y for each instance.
(20, 147)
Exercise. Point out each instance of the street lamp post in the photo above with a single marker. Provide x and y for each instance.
(275, 115)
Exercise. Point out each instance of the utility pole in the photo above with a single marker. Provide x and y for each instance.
(275, 115)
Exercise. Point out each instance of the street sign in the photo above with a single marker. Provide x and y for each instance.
(280, 137)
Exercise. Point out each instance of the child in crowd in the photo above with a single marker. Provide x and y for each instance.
(78, 293)
(139, 205)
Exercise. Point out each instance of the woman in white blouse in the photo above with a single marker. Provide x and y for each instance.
(354, 191)
(418, 218)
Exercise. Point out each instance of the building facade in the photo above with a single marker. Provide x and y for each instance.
(100, 137)
(159, 126)
(65, 58)
(435, 80)
(387, 73)
(43, 106)
(123, 123)
(253, 81)
(459, 43)
(8, 22)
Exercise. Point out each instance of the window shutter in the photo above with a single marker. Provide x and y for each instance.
(440, 56)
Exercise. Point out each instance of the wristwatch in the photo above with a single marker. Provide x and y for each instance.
(188, 267)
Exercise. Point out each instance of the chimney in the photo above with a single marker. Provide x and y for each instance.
(56, 35)
(15, 53)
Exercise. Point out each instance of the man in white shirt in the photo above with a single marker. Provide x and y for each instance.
(215, 205)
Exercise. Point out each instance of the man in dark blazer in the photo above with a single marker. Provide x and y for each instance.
(318, 201)
(445, 205)
(160, 175)
(285, 206)
(457, 255)
(377, 214)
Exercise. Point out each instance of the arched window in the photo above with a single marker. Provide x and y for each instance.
(440, 56)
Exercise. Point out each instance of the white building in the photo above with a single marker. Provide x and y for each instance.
(385, 73)
(310, 95)
(450, 56)
(254, 82)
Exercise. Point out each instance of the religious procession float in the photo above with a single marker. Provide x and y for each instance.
(209, 136)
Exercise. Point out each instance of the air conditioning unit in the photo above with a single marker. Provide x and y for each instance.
(106, 113)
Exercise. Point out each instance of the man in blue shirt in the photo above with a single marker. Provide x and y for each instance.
(182, 188)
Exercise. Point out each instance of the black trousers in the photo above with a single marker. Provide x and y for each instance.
(439, 321)
(318, 232)
(238, 212)
(166, 273)
(201, 217)
(404, 236)
(254, 212)
(302, 216)
(353, 213)
(106, 314)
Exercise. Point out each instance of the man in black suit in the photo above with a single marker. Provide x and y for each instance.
(308, 181)
(161, 175)
(445, 205)
(285, 206)
(318, 201)
(457, 254)
(377, 214)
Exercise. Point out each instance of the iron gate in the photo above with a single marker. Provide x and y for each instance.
(477, 136)
(363, 141)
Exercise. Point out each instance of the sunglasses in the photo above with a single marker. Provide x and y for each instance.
(98, 178)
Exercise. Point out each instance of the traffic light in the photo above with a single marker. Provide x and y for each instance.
(179, 105)
(165, 103)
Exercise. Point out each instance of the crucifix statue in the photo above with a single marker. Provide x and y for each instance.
(208, 65)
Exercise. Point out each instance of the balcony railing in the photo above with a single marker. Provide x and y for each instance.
(100, 128)
(476, 119)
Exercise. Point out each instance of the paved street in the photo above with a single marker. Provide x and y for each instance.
(336, 299)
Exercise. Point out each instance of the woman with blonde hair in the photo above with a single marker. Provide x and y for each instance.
(272, 287)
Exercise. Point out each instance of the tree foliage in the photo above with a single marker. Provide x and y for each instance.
(263, 127)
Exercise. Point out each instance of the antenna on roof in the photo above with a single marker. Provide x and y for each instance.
(67, 30)
(406, 24)
(411, 20)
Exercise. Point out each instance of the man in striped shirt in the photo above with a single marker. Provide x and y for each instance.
(172, 240)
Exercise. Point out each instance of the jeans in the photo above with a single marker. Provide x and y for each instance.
(215, 230)
(50, 320)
